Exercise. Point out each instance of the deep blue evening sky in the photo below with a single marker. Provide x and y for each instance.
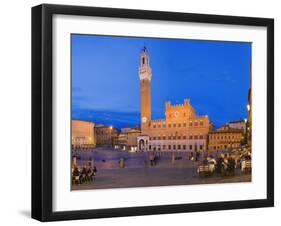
(105, 83)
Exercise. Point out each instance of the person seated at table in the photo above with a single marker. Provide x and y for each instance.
(212, 163)
(76, 174)
(225, 163)
(231, 165)
(89, 176)
(76, 171)
(219, 163)
(95, 170)
(83, 174)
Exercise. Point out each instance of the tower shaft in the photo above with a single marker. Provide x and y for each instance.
(145, 99)
(145, 77)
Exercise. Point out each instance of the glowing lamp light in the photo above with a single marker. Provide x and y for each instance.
(248, 107)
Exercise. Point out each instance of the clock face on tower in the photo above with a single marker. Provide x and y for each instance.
(143, 119)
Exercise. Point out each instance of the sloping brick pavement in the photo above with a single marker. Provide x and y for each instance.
(139, 173)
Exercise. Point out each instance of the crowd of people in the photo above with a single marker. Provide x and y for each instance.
(84, 174)
(225, 164)
(153, 158)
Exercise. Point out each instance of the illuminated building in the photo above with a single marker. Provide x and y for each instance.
(83, 135)
(105, 135)
(225, 138)
(127, 139)
(182, 129)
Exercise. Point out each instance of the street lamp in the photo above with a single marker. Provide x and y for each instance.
(248, 107)
(111, 140)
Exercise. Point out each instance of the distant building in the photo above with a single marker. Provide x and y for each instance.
(128, 129)
(83, 135)
(105, 135)
(181, 130)
(127, 139)
(238, 124)
(224, 138)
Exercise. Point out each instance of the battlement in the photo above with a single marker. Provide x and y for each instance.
(202, 117)
(185, 103)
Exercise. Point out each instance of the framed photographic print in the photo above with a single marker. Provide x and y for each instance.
(146, 112)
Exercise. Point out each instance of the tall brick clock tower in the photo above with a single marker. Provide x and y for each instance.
(145, 77)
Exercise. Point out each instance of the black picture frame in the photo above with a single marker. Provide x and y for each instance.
(42, 111)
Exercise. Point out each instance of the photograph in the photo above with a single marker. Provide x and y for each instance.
(159, 112)
(145, 112)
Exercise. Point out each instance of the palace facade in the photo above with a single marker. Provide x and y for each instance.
(182, 129)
